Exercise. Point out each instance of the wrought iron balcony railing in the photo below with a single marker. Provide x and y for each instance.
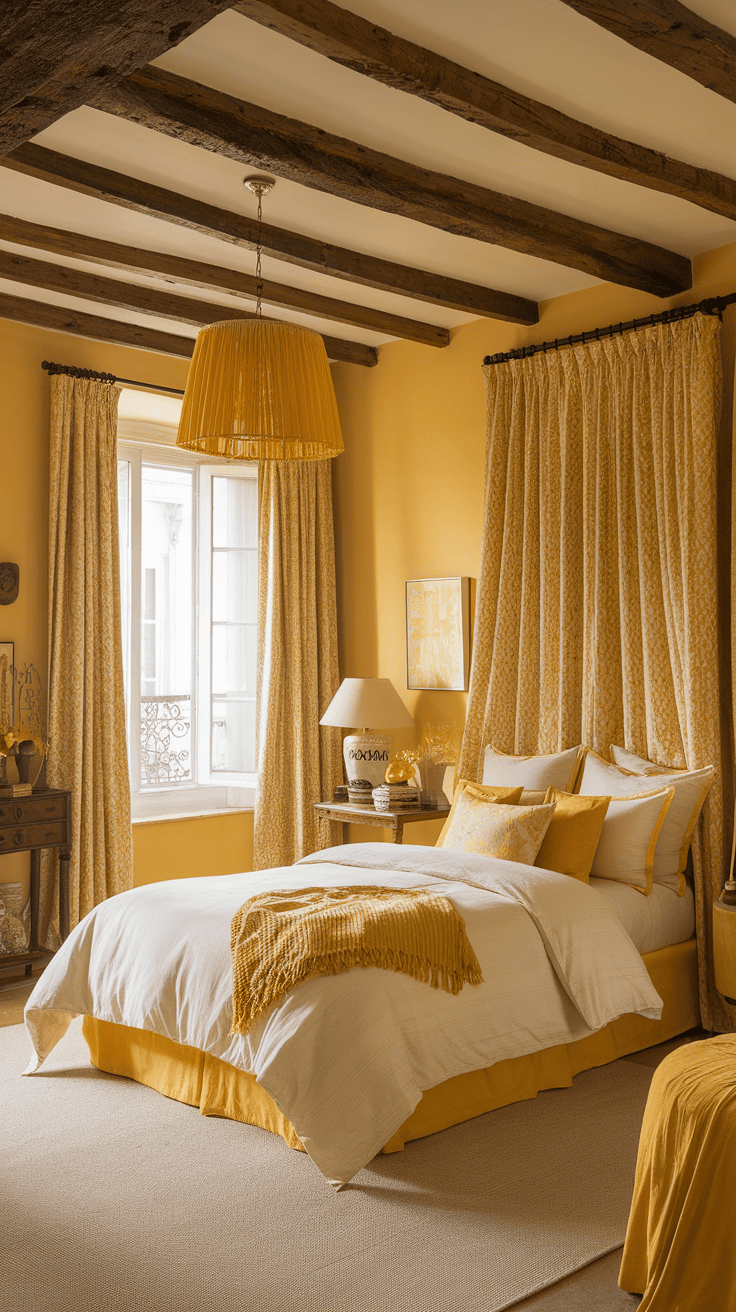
(166, 739)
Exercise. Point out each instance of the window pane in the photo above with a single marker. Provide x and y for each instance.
(234, 512)
(234, 622)
(124, 549)
(233, 735)
(235, 586)
(234, 658)
(166, 624)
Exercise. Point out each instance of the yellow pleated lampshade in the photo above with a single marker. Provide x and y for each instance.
(260, 389)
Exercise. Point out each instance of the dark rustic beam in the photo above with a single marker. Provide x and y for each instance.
(193, 273)
(61, 320)
(375, 52)
(148, 300)
(58, 54)
(308, 253)
(673, 34)
(200, 116)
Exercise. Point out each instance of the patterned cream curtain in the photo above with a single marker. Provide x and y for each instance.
(299, 763)
(597, 617)
(87, 751)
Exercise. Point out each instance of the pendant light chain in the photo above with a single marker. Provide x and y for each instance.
(259, 277)
(260, 187)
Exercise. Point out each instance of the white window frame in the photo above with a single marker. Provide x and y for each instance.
(210, 792)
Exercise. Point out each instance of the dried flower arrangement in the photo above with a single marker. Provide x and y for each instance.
(438, 747)
(439, 744)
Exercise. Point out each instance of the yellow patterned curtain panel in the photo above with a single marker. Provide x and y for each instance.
(87, 751)
(299, 762)
(597, 617)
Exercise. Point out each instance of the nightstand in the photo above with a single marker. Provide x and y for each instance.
(347, 814)
(28, 824)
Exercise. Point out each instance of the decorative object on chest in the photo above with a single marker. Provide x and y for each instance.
(22, 725)
(9, 576)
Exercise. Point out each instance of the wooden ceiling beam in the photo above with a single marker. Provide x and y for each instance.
(279, 243)
(259, 138)
(59, 54)
(375, 52)
(59, 319)
(671, 33)
(210, 277)
(148, 300)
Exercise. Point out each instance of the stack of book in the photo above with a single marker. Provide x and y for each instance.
(396, 797)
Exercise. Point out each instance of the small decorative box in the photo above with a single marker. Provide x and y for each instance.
(396, 797)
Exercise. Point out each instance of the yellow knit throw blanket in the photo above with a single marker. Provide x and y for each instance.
(283, 938)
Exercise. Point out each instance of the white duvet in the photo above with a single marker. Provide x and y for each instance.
(346, 1058)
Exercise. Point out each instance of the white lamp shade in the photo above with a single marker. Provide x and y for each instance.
(367, 704)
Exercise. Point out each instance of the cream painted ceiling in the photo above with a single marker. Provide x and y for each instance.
(541, 48)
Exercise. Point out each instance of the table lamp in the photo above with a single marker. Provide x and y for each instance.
(374, 704)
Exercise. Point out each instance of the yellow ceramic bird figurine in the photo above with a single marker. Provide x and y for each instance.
(398, 772)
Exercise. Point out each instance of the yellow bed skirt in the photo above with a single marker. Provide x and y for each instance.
(219, 1089)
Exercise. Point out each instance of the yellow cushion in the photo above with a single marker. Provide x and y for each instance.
(490, 794)
(574, 831)
(513, 833)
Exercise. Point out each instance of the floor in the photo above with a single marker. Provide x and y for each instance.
(594, 1289)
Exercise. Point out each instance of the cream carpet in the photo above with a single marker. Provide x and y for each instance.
(116, 1199)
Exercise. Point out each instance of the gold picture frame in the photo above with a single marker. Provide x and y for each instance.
(438, 634)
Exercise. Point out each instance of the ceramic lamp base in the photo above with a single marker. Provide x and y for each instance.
(366, 757)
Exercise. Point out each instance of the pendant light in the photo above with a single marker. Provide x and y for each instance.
(260, 389)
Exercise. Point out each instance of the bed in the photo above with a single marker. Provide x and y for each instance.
(348, 1065)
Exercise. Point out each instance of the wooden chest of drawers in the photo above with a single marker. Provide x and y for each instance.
(28, 824)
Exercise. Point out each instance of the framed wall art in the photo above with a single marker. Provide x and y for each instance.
(438, 633)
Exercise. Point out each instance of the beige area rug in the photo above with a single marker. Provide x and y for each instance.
(116, 1199)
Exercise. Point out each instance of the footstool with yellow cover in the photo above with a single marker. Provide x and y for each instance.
(679, 1251)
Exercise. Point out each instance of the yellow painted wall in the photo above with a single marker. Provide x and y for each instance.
(216, 844)
(409, 488)
(184, 848)
(408, 504)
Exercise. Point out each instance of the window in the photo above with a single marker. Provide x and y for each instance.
(189, 597)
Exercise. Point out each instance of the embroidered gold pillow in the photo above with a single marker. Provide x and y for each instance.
(570, 842)
(513, 833)
(508, 795)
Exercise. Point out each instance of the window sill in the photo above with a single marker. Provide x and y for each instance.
(197, 800)
(189, 815)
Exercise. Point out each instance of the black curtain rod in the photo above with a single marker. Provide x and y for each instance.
(714, 305)
(74, 371)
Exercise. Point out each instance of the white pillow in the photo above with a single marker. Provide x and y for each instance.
(691, 788)
(627, 844)
(534, 773)
(639, 764)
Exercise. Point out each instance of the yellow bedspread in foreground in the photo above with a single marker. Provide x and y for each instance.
(280, 939)
(679, 1250)
(218, 1089)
